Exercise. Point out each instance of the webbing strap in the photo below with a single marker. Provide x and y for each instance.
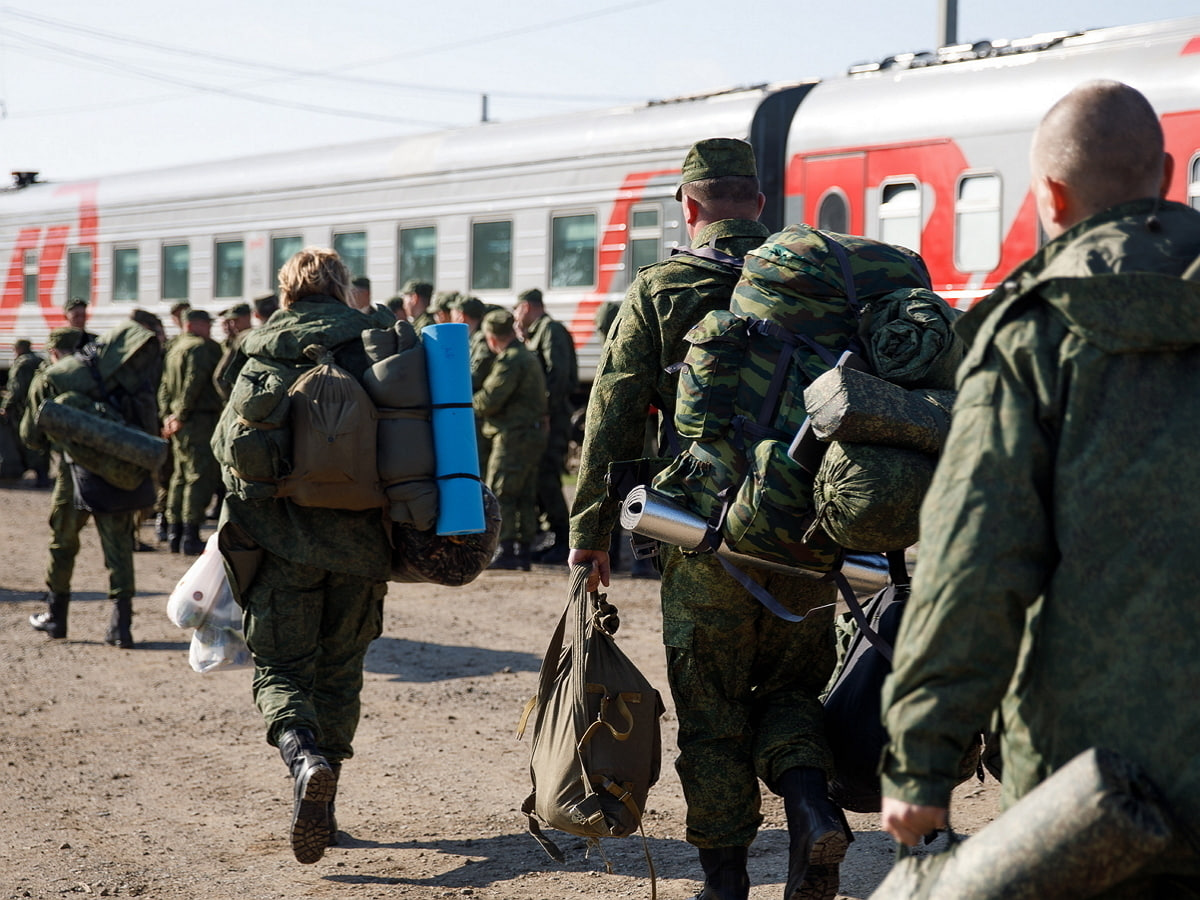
(763, 596)
(898, 575)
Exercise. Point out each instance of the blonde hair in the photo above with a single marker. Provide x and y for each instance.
(314, 270)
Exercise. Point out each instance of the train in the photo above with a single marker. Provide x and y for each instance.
(927, 150)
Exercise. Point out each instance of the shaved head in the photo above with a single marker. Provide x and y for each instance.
(1104, 143)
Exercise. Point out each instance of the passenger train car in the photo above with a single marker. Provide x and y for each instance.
(925, 150)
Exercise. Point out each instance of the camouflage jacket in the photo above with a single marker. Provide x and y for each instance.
(20, 377)
(663, 303)
(187, 383)
(514, 393)
(229, 364)
(1057, 578)
(553, 345)
(481, 359)
(353, 543)
(422, 321)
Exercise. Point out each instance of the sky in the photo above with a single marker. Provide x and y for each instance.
(91, 88)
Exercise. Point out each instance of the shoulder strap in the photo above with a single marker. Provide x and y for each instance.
(712, 254)
(898, 577)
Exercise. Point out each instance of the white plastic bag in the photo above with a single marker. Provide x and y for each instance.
(214, 647)
(203, 588)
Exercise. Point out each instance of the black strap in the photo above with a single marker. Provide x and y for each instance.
(710, 253)
(470, 475)
(847, 272)
(898, 575)
(451, 406)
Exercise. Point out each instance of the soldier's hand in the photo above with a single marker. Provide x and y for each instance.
(170, 425)
(908, 823)
(598, 560)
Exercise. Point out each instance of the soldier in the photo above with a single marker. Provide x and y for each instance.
(361, 293)
(75, 311)
(119, 376)
(552, 344)
(745, 682)
(264, 307)
(1056, 538)
(236, 323)
(314, 602)
(396, 306)
(470, 312)
(162, 479)
(189, 404)
(417, 295)
(442, 306)
(512, 403)
(20, 377)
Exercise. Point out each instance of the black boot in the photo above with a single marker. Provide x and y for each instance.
(314, 789)
(725, 876)
(818, 835)
(54, 620)
(508, 558)
(524, 561)
(161, 534)
(333, 829)
(174, 536)
(193, 544)
(118, 624)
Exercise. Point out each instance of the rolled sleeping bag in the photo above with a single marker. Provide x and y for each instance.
(452, 560)
(68, 424)
(447, 358)
(1091, 825)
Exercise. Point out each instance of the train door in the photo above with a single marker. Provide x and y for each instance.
(831, 191)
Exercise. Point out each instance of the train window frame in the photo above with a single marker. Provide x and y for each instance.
(475, 274)
(166, 267)
(352, 233)
(406, 272)
(557, 262)
(75, 275)
(123, 289)
(291, 241)
(995, 222)
(834, 193)
(882, 215)
(640, 237)
(30, 269)
(1193, 186)
(219, 268)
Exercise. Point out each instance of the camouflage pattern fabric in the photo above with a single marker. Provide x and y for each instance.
(116, 532)
(1055, 537)
(188, 392)
(424, 319)
(229, 365)
(909, 339)
(20, 377)
(551, 343)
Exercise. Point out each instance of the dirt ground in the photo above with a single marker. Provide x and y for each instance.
(127, 774)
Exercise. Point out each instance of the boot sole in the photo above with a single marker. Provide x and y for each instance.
(822, 880)
(310, 818)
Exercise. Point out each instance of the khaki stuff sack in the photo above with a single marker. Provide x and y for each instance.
(597, 745)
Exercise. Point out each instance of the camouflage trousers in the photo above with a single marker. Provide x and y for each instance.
(309, 630)
(66, 522)
(512, 476)
(745, 685)
(195, 475)
(550, 501)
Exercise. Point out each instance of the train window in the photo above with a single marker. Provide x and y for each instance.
(833, 213)
(79, 273)
(351, 246)
(573, 251)
(176, 266)
(645, 237)
(418, 255)
(900, 214)
(977, 223)
(491, 256)
(125, 273)
(1194, 184)
(30, 275)
(229, 269)
(283, 249)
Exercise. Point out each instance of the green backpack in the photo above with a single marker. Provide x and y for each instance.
(798, 308)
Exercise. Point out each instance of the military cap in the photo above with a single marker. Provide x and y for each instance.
(715, 158)
(64, 338)
(74, 302)
(443, 301)
(199, 315)
(421, 288)
(531, 295)
(472, 307)
(498, 322)
(180, 307)
(235, 311)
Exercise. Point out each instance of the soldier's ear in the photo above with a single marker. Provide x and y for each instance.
(1168, 174)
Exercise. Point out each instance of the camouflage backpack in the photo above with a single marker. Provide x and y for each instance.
(795, 312)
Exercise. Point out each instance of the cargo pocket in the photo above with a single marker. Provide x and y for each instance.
(256, 456)
(709, 376)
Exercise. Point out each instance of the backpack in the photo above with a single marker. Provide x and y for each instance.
(334, 426)
(795, 312)
(597, 744)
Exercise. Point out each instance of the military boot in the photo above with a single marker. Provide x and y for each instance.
(54, 620)
(174, 536)
(314, 787)
(508, 558)
(193, 544)
(120, 619)
(725, 876)
(818, 835)
(524, 561)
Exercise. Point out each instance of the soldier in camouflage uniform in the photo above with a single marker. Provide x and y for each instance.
(1056, 538)
(745, 683)
(189, 404)
(237, 324)
(76, 314)
(311, 581)
(12, 407)
(417, 296)
(470, 312)
(553, 345)
(512, 404)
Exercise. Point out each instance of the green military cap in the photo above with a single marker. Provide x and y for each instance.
(498, 322)
(420, 288)
(471, 307)
(443, 301)
(64, 338)
(180, 307)
(235, 311)
(715, 158)
(200, 315)
(74, 302)
(530, 295)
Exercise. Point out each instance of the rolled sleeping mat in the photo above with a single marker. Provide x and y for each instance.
(1092, 824)
(447, 359)
(68, 424)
